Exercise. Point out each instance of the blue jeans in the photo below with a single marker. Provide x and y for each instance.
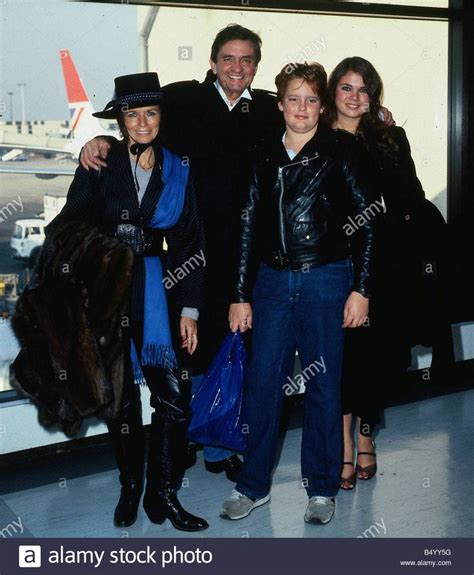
(292, 311)
(210, 453)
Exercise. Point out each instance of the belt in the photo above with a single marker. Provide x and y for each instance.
(143, 241)
(277, 260)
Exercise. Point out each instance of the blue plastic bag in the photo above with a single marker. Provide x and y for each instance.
(217, 405)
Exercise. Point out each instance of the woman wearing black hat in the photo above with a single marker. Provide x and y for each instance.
(145, 196)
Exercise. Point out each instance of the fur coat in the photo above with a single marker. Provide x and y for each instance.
(68, 323)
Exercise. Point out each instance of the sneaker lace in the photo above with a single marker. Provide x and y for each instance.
(320, 499)
(236, 494)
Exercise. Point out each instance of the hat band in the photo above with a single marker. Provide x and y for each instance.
(138, 98)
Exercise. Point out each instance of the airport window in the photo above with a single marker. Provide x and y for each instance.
(410, 54)
(39, 116)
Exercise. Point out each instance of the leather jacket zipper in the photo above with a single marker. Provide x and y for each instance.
(282, 190)
(280, 208)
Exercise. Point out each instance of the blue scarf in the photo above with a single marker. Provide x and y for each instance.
(157, 349)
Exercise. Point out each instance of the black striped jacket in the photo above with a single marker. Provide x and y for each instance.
(109, 198)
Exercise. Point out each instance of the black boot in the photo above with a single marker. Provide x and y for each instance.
(165, 470)
(128, 441)
(165, 505)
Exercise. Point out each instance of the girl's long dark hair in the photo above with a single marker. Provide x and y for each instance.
(373, 130)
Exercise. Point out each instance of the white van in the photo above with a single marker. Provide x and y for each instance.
(27, 239)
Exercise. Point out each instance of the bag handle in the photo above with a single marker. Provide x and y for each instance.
(237, 344)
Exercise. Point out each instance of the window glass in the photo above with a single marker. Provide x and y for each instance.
(17, 232)
(38, 108)
(410, 55)
(34, 231)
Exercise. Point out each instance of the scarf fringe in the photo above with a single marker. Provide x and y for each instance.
(162, 355)
(152, 355)
(138, 379)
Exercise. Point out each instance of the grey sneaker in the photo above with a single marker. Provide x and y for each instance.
(320, 510)
(238, 505)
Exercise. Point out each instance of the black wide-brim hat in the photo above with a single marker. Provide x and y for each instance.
(133, 91)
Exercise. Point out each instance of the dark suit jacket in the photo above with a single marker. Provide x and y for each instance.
(221, 146)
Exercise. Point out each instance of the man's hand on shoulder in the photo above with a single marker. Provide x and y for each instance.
(94, 153)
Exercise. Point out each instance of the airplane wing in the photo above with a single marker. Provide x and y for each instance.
(38, 149)
(39, 171)
(15, 162)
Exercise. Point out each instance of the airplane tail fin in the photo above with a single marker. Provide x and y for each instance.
(83, 125)
(76, 93)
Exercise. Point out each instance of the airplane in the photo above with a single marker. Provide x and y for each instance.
(83, 128)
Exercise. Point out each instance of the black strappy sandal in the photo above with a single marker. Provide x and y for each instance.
(348, 483)
(371, 470)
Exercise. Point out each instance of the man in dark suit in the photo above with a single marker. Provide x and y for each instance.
(218, 124)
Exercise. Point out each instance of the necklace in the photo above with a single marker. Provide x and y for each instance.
(144, 166)
(147, 167)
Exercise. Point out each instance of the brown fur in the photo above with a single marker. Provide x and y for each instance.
(68, 323)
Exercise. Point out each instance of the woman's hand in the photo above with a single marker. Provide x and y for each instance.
(188, 329)
(94, 153)
(240, 316)
(387, 117)
(355, 310)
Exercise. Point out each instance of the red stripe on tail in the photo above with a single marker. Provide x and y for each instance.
(74, 87)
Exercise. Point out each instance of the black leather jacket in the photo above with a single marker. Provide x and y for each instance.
(317, 208)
